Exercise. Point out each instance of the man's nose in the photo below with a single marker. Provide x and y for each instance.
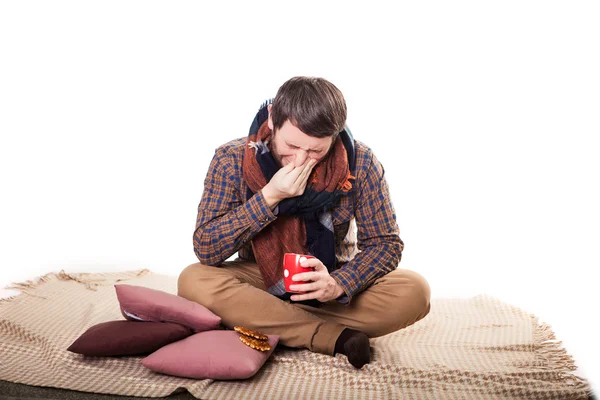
(301, 156)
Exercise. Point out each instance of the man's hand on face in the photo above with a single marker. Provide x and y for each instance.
(321, 285)
(289, 181)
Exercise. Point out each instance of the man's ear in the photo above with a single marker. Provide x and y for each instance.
(270, 120)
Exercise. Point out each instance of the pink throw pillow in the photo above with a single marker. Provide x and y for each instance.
(210, 355)
(127, 338)
(140, 303)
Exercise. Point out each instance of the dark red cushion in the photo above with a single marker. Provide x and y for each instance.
(126, 338)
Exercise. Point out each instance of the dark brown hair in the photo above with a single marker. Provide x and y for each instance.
(313, 105)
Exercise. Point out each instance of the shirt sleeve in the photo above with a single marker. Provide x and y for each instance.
(225, 222)
(377, 233)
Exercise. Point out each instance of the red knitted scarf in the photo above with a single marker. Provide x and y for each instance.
(287, 234)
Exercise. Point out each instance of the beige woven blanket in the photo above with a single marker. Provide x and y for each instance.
(476, 348)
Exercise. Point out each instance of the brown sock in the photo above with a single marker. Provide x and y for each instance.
(354, 345)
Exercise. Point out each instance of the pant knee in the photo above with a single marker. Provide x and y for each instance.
(413, 303)
(189, 282)
(420, 295)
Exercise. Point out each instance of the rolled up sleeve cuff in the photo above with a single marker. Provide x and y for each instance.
(258, 212)
(347, 283)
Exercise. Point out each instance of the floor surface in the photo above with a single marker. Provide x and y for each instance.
(10, 391)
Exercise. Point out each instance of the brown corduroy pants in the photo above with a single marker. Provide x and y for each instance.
(235, 292)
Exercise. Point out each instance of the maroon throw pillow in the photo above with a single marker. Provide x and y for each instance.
(127, 338)
(140, 303)
(210, 355)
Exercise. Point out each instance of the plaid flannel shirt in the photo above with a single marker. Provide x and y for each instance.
(367, 239)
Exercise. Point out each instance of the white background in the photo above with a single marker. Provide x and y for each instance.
(484, 114)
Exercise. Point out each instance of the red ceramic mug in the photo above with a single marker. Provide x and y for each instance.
(291, 267)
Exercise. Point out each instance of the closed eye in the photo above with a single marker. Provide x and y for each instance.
(291, 146)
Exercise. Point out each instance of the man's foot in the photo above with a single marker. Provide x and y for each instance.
(354, 345)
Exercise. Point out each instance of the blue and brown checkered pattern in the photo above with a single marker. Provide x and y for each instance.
(368, 245)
